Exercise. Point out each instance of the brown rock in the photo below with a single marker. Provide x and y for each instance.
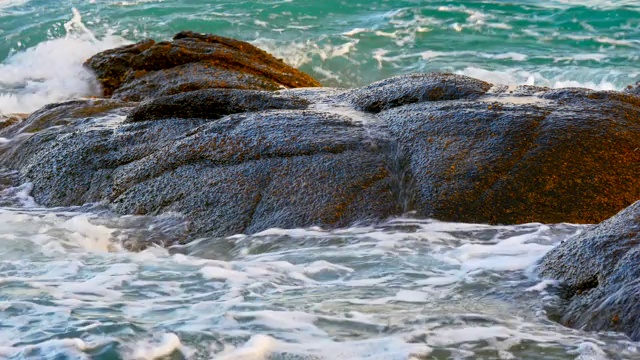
(190, 62)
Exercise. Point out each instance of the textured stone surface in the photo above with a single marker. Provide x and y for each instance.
(600, 271)
(190, 62)
(415, 88)
(231, 160)
(633, 89)
(242, 173)
(213, 104)
(522, 155)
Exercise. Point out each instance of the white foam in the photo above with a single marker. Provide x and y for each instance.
(8, 4)
(297, 54)
(568, 78)
(355, 31)
(166, 345)
(217, 273)
(52, 71)
(261, 347)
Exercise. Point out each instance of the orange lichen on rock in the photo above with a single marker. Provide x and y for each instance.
(190, 62)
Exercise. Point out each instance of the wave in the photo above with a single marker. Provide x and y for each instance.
(52, 71)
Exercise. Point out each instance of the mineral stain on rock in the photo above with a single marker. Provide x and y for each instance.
(190, 62)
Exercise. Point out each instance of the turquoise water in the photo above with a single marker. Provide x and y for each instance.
(404, 289)
(589, 43)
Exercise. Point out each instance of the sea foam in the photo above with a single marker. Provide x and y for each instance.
(52, 71)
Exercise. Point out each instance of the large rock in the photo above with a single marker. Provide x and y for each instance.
(517, 155)
(600, 274)
(243, 160)
(244, 172)
(190, 62)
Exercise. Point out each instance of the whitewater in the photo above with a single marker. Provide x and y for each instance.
(406, 288)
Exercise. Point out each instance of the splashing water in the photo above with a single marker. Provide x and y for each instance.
(52, 71)
(403, 289)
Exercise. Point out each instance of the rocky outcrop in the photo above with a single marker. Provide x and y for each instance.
(213, 104)
(191, 62)
(242, 173)
(233, 156)
(600, 274)
(220, 132)
(442, 145)
(521, 155)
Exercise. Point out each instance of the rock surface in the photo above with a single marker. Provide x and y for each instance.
(600, 271)
(521, 155)
(633, 89)
(233, 159)
(442, 145)
(190, 62)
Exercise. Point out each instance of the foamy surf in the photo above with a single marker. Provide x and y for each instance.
(52, 71)
(403, 289)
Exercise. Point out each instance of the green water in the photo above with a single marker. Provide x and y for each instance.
(591, 43)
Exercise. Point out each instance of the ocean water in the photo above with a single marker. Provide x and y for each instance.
(345, 43)
(406, 288)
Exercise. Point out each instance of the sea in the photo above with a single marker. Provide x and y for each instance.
(404, 288)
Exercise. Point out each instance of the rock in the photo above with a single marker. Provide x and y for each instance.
(190, 62)
(519, 155)
(213, 104)
(11, 120)
(633, 89)
(600, 272)
(240, 161)
(65, 113)
(414, 88)
(245, 172)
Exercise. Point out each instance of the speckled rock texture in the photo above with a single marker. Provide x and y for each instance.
(521, 155)
(191, 61)
(633, 89)
(244, 172)
(600, 274)
(240, 161)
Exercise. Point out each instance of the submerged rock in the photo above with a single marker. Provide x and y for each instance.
(190, 62)
(600, 274)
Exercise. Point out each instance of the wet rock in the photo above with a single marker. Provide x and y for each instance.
(191, 62)
(444, 146)
(600, 274)
(242, 173)
(633, 89)
(409, 89)
(213, 104)
(519, 155)
(65, 113)
(11, 120)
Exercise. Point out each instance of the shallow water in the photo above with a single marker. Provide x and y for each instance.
(403, 289)
(557, 43)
